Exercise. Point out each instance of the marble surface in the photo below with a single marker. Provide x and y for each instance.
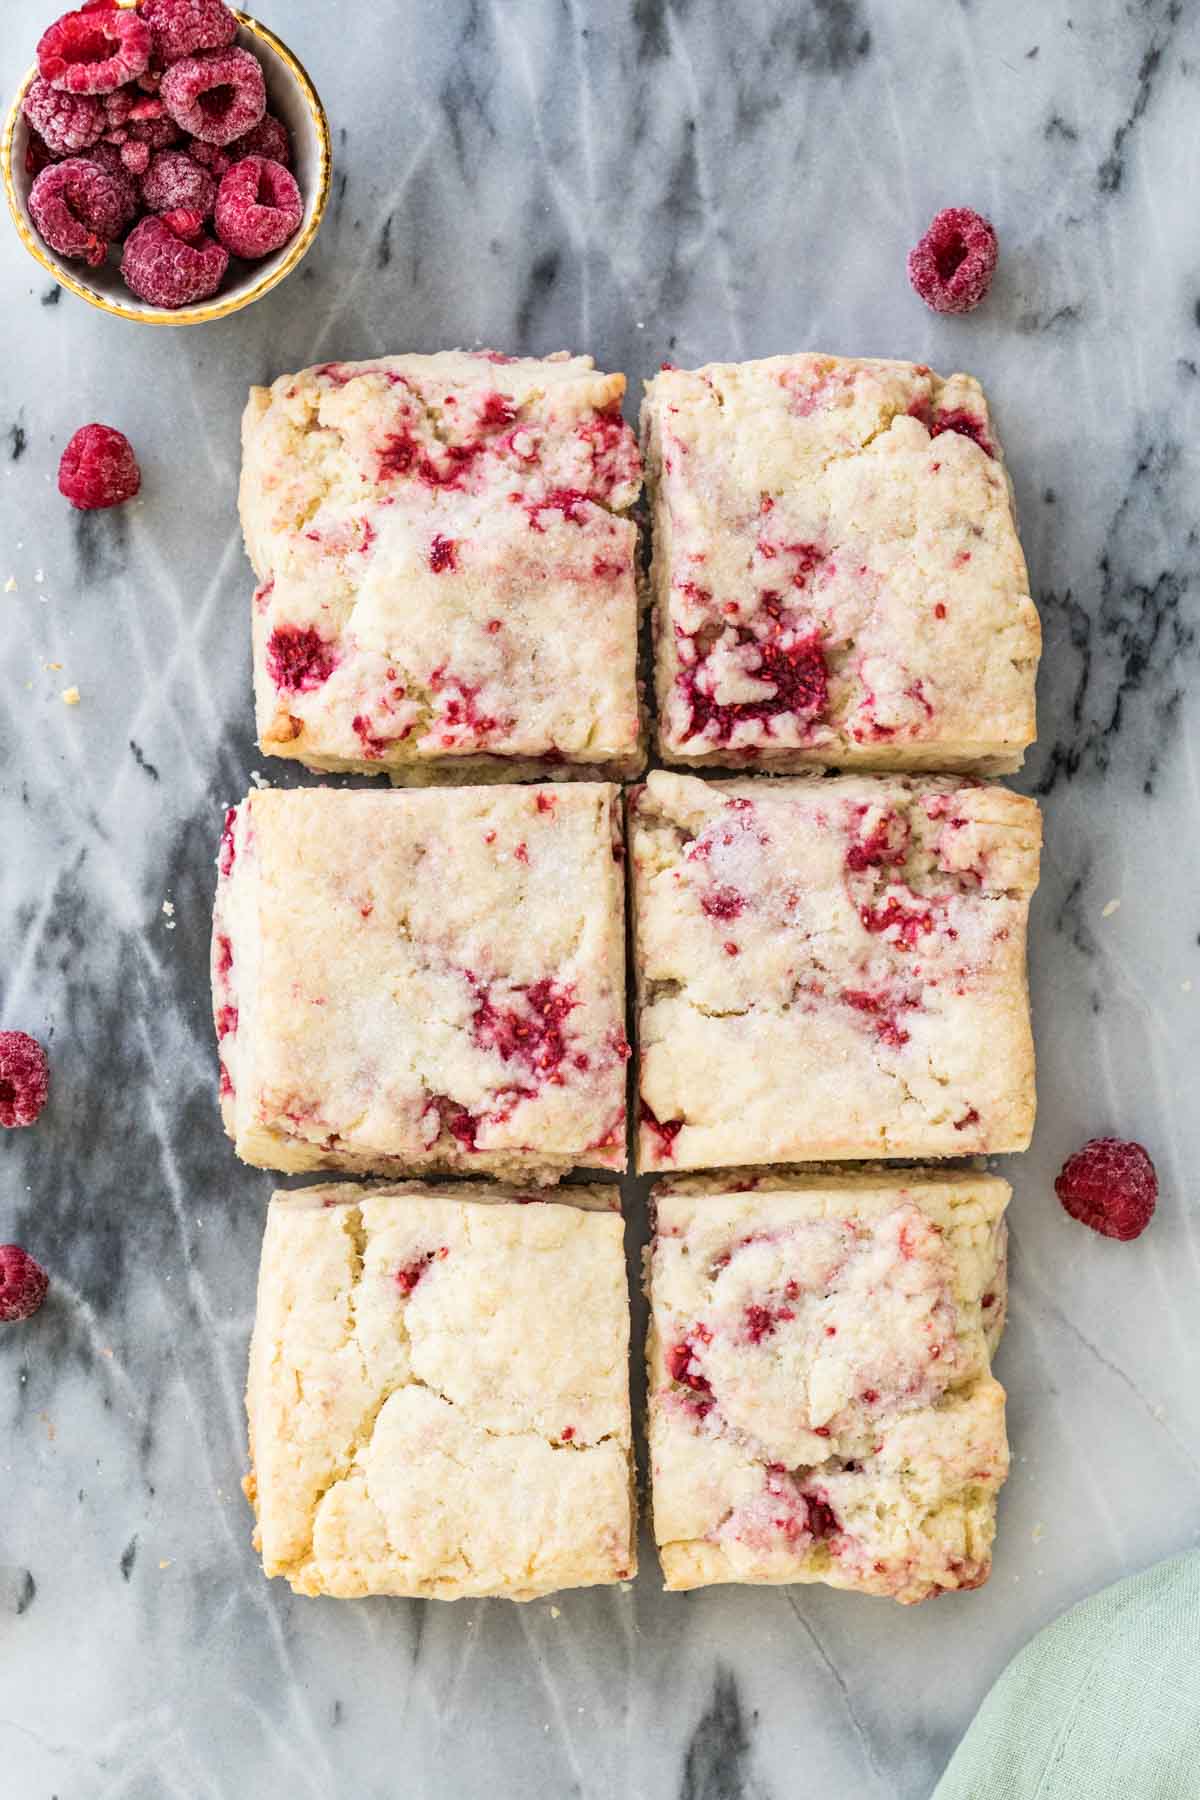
(645, 181)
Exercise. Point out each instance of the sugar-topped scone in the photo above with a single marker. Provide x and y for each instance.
(446, 567)
(831, 968)
(821, 1401)
(438, 1396)
(837, 576)
(427, 979)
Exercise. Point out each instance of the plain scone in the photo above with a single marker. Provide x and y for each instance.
(438, 1395)
(837, 576)
(446, 567)
(418, 980)
(821, 1401)
(831, 968)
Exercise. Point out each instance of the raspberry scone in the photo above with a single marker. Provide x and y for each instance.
(821, 1402)
(446, 567)
(434, 979)
(438, 1396)
(837, 576)
(831, 968)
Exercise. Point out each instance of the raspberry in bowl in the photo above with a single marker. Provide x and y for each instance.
(166, 160)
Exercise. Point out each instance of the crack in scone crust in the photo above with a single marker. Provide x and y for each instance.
(446, 567)
(423, 980)
(836, 572)
(438, 1393)
(821, 1401)
(831, 968)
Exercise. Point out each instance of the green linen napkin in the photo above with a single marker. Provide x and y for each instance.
(1103, 1705)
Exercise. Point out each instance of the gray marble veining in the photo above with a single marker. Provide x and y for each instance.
(659, 179)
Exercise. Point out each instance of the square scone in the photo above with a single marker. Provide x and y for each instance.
(821, 1401)
(438, 1396)
(446, 567)
(837, 576)
(423, 980)
(831, 968)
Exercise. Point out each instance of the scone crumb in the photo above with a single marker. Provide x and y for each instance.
(1110, 908)
(556, 1612)
(70, 696)
(10, 586)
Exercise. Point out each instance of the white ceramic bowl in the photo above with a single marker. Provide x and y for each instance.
(292, 98)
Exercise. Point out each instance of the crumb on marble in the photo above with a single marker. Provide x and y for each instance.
(10, 586)
(168, 909)
(1110, 908)
(1038, 1533)
(70, 696)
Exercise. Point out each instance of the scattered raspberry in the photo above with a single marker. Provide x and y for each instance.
(181, 27)
(217, 95)
(258, 207)
(67, 122)
(94, 51)
(23, 1284)
(952, 266)
(165, 270)
(299, 660)
(269, 138)
(98, 469)
(1110, 1185)
(79, 208)
(173, 180)
(24, 1078)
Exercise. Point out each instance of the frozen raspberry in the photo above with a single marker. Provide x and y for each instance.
(211, 156)
(1110, 1185)
(23, 1284)
(109, 158)
(79, 208)
(186, 223)
(269, 138)
(167, 270)
(218, 95)
(98, 469)
(173, 180)
(258, 207)
(143, 120)
(67, 122)
(952, 266)
(38, 155)
(135, 157)
(117, 107)
(181, 27)
(24, 1078)
(94, 51)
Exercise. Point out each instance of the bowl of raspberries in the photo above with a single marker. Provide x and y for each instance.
(166, 160)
